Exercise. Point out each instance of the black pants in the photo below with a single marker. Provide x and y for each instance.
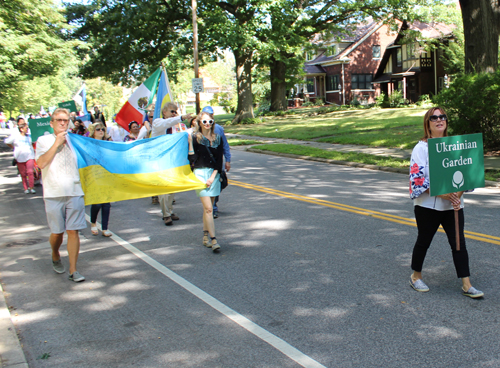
(428, 221)
(94, 211)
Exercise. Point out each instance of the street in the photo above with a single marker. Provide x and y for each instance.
(313, 272)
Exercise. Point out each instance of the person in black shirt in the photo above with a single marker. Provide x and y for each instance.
(205, 156)
(97, 115)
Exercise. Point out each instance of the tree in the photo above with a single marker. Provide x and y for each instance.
(127, 40)
(33, 45)
(481, 20)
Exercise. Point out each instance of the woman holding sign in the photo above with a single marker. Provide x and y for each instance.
(430, 212)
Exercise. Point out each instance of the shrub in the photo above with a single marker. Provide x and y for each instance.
(473, 106)
(251, 121)
(307, 104)
(263, 108)
(379, 101)
(396, 99)
(424, 100)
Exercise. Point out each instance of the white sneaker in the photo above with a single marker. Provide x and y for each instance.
(26, 191)
(32, 191)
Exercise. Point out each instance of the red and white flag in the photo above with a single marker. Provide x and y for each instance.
(135, 108)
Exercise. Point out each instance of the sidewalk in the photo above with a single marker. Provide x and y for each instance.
(490, 162)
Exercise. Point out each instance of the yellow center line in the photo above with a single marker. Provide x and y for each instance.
(360, 211)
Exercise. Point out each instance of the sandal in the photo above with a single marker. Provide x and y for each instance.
(94, 231)
(205, 239)
(106, 233)
(215, 245)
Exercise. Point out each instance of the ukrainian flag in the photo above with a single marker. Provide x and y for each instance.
(115, 171)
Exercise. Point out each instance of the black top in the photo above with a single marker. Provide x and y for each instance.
(201, 157)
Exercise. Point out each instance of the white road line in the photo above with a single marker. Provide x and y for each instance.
(266, 336)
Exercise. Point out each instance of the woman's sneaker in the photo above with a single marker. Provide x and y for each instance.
(419, 285)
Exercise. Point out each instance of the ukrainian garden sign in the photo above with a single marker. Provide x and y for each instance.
(456, 163)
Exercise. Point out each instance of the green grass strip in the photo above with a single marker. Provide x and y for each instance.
(241, 142)
(363, 158)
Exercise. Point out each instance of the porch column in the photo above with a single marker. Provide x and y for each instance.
(404, 88)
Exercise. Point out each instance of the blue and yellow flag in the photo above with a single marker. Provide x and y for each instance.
(115, 171)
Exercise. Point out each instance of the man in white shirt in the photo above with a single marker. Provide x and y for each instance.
(62, 192)
(169, 124)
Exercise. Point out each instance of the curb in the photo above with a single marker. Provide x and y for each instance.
(11, 353)
(488, 183)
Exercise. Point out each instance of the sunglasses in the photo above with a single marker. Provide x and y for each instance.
(436, 117)
(99, 130)
(207, 121)
(173, 111)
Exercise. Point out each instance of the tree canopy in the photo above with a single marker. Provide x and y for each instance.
(33, 43)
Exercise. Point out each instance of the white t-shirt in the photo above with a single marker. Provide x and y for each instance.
(61, 177)
(117, 133)
(23, 149)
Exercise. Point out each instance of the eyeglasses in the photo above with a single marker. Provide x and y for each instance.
(173, 111)
(436, 117)
(207, 121)
(62, 120)
(99, 130)
(150, 116)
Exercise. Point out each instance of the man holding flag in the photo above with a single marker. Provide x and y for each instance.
(160, 126)
(62, 192)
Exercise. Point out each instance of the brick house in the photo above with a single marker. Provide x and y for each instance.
(344, 69)
(410, 66)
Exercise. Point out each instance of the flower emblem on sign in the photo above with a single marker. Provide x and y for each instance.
(458, 179)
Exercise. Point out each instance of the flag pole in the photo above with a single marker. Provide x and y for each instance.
(195, 51)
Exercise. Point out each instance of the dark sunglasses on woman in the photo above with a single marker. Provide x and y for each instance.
(436, 117)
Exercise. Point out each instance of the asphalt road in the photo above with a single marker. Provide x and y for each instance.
(313, 272)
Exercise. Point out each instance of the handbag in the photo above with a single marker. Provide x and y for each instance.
(223, 180)
(222, 176)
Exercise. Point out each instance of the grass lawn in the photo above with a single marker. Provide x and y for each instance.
(399, 128)
(335, 155)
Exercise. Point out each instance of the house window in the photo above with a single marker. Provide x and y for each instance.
(310, 85)
(399, 60)
(332, 82)
(309, 55)
(331, 50)
(361, 81)
(376, 51)
(410, 51)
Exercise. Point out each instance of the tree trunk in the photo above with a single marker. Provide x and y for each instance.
(278, 86)
(481, 20)
(244, 83)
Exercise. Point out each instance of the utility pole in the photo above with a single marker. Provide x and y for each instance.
(195, 51)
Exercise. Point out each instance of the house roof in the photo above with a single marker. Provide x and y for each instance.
(355, 36)
(314, 69)
(431, 30)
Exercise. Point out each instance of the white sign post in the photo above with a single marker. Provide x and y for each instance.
(197, 85)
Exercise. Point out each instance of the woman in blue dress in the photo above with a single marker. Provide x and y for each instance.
(205, 156)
